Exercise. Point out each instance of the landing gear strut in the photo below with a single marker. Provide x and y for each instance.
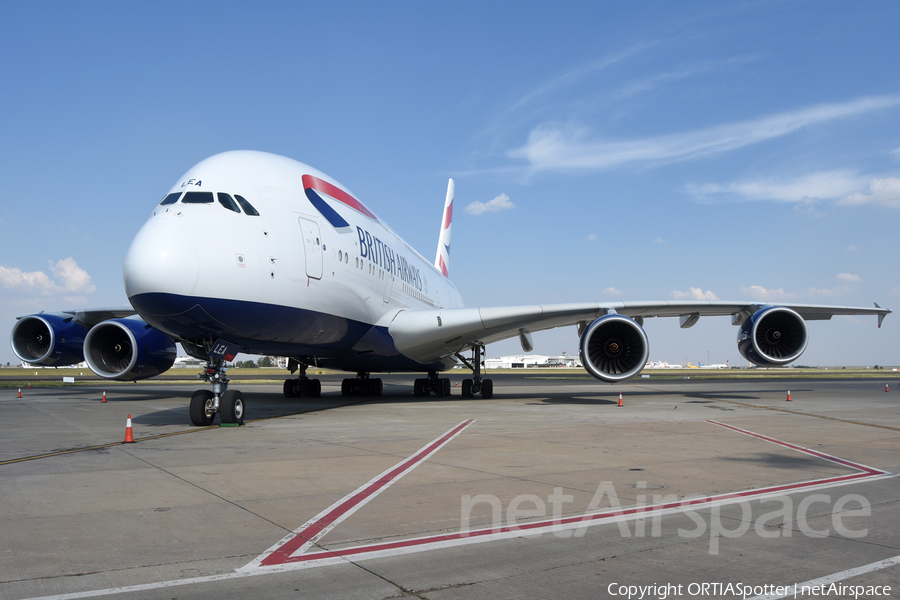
(228, 403)
(303, 385)
(476, 385)
(362, 385)
(423, 387)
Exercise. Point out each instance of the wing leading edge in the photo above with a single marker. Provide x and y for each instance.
(427, 335)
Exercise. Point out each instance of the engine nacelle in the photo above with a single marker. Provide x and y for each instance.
(128, 349)
(51, 340)
(772, 337)
(614, 348)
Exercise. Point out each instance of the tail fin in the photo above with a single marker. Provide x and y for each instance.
(442, 258)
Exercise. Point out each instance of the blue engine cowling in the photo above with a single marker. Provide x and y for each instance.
(772, 337)
(128, 349)
(614, 348)
(48, 339)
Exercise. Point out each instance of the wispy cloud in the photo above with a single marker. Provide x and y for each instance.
(819, 185)
(592, 237)
(758, 292)
(69, 278)
(611, 291)
(849, 277)
(694, 294)
(552, 146)
(881, 192)
(499, 203)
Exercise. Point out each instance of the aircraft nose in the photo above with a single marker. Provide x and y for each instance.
(162, 259)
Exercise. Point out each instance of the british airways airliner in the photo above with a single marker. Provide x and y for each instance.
(257, 253)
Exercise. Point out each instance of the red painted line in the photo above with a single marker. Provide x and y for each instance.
(315, 528)
(816, 453)
(337, 193)
(694, 504)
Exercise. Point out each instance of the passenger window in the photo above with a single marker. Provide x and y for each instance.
(228, 202)
(170, 199)
(197, 198)
(248, 208)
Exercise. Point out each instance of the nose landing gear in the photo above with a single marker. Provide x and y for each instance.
(228, 403)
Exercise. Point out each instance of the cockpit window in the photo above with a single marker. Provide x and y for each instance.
(170, 199)
(248, 208)
(228, 202)
(197, 198)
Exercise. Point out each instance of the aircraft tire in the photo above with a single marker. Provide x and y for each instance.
(346, 389)
(288, 388)
(314, 388)
(487, 389)
(231, 407)
(199, 415)
(419, 388)
(446, 386)
(467, 388)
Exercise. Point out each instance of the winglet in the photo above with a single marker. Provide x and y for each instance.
(881, 316)
(442, 258)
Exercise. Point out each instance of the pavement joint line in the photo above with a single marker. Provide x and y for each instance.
(164, 435)
(793, 412)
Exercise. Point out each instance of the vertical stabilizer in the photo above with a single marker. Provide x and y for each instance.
(442, 258)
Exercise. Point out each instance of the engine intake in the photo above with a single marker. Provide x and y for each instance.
(772, 337)
(51, 340)
(614, 348)
(128, 349)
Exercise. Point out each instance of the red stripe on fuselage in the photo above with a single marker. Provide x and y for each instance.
(337, 193)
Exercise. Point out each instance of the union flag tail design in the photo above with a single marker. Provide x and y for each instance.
(442, 258)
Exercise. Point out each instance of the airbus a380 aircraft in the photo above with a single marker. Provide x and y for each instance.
(261, 254)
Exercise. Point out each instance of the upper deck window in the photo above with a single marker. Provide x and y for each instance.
(170, 199)
(228, 202)
(248, 208)
(197, 198)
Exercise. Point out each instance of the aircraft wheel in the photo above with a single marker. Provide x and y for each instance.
(202, 414)
(288, 388)
(314, 388)
(231, 407)
(346, 390)
(445, 387)
(487, 389)
(378, 387)
(419, 388)
(467, 388)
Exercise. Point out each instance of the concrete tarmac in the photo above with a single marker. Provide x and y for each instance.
(563, 493)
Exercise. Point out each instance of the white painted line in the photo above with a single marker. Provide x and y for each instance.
(797, 588)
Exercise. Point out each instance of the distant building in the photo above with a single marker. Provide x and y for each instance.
(525, 361)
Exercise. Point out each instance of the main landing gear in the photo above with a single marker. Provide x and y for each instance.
(228, 403)
(362, 385)
(424, 387)
(476, 385)
(303, 385)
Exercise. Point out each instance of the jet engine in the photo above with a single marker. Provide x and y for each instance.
(48, 339)
(128, 349)
(614, 348)
(772, 337)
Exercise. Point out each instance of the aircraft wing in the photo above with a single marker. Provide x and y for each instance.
(90, 317)
(427, 335)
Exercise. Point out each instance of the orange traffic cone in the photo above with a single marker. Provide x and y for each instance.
(789, 396)
(129, 438)
(620, 399)
(104, 395)
(29, 385)
(886, 388)
(20, 393)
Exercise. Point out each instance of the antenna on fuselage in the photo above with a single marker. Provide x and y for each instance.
(442, 258)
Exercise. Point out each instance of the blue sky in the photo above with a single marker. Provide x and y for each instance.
(601, 151)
